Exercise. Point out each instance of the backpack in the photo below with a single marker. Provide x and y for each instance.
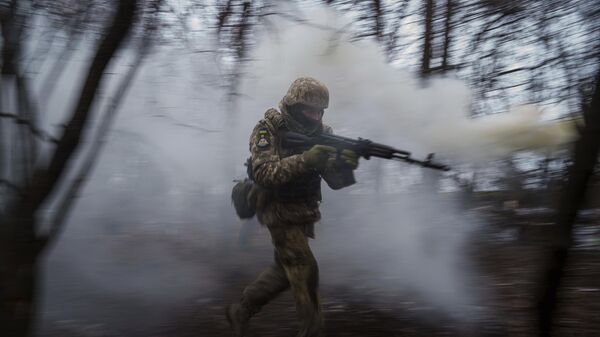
(242, 196)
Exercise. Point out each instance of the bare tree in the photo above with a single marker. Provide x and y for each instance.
(585, 156)
(21, 242)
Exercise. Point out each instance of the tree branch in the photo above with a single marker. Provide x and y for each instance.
(11, 185)
(44, 181)
(57, 223)
(65, 55)
(539, 65)
(37, 132)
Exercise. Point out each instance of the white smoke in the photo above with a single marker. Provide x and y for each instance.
(372, 242)
(371, 98)
(399, 243)
(176, 121)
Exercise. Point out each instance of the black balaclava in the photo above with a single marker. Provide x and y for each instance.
(295, 111)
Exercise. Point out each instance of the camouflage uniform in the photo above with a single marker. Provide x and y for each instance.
(288, 197)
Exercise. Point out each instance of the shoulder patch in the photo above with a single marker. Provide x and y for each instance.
(263, 138)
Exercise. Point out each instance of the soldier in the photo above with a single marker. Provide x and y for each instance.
(287, 194)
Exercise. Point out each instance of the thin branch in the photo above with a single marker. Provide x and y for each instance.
(487, 28)
(299, 20)
(539, 65)
(49, 83)
(39, 133)
(11, 185)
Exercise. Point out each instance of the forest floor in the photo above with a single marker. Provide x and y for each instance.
(506, 253)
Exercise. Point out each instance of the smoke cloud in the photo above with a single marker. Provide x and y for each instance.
(391, 235)
(370, 97)
(178, 142)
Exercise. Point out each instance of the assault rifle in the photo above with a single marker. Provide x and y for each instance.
(363, 148)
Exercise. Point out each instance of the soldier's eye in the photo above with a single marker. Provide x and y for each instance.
(313, 111)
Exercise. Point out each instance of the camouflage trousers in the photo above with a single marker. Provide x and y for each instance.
(295, 267)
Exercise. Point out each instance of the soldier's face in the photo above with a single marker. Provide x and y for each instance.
(313, 114)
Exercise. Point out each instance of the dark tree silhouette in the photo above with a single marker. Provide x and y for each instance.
(21, 243)
(585, 156)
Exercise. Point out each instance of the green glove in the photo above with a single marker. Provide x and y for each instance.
(349, 158)
(345, 159)
(317, 156)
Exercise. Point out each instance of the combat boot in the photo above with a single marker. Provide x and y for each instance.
(238, 316)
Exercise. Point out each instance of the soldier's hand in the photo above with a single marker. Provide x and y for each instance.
(346, 159)
(318, 155)
(349, 158)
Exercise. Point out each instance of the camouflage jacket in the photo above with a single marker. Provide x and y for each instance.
(290, 189)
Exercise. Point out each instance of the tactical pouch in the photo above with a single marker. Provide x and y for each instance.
(243, 200)
(340, 178)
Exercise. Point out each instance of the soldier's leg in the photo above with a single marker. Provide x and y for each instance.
(294, 255)
(267, 286)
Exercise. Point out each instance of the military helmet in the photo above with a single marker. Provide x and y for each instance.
(308, 91)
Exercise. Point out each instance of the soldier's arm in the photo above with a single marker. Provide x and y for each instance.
(268, 169)
(337, 177)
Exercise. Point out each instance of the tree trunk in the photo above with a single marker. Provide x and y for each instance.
(20, 246)
(571, 199)
(377, 19)
(427, 39)
(447, 37)
(18, 276)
